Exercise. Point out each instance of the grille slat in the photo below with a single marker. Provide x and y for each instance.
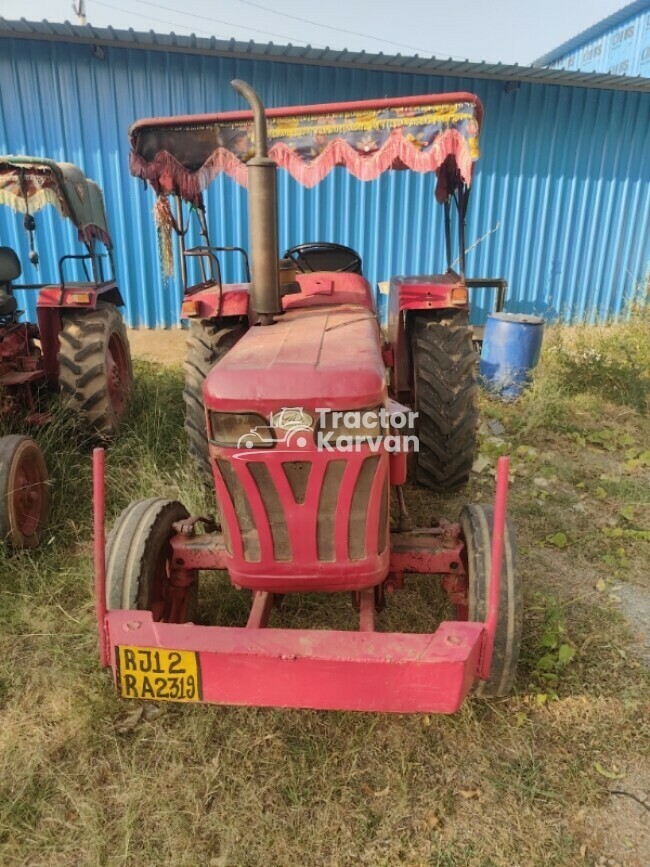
(246, 523)
(278, 507)
(359, 508)
(274, 509)
(326, 521)
(383, 517)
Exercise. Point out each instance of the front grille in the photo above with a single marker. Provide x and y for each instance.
(279, 506)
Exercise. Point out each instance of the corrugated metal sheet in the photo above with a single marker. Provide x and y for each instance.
(560, 206)
(98, 37)
(594, 33)
(623, 50)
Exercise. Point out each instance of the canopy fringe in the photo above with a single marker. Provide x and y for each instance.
(450, 155)
(164, 225)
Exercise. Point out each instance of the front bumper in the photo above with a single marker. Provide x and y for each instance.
(323, 670)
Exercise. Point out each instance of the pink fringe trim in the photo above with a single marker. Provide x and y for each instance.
(167, 175)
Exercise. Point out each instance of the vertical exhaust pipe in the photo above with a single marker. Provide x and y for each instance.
(263, 215)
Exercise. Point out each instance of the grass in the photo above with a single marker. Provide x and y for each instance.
(88, 780)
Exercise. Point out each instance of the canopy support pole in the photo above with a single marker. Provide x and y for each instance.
(462, 199)
(447, 206)
(181, 232)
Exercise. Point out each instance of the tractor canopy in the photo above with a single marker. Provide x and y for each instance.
(27, 184)
(438, 133)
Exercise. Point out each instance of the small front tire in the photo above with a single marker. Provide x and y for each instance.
(476, 526)
(138, 562)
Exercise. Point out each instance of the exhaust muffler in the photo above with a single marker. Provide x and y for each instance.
(262, 216)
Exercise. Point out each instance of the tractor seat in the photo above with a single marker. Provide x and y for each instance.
(10, 269)
(9, 266)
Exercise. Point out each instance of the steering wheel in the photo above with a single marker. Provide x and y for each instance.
(323, 256)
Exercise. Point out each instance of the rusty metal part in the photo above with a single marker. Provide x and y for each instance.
(425, 551)
(260, 610)
(259, 119)
(367, 610)
(198, 552)
(455, 586)
(263, 216)
(404, 522)
(187, 525)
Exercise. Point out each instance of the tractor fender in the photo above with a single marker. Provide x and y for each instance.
(79, 295)
(213, 302)
(444, 293)
(52, 302)
(111, 294)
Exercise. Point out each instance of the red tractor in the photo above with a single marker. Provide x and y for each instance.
(304, 447)
(79, 345)
(428, 342)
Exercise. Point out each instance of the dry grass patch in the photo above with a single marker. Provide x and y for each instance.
(86, 781)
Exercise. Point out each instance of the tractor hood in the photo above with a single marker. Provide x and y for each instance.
(27, 184)
(315, 358)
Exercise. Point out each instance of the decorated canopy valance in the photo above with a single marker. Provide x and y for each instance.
(28, 184)
(183, 155)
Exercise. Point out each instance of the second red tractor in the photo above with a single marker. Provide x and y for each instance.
(78, 345)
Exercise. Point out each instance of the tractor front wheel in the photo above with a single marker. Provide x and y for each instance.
(207, 343)
(24, 492)
(95, 372)
(476, 526)
(444, 376)
(138, 563)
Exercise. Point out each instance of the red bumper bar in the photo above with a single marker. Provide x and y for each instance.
(324, 670)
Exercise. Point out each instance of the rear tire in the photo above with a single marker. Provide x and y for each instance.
(476, 525)
(24, 492)
(138, 557)
(95, 371)
(444, 373)
(207, 343)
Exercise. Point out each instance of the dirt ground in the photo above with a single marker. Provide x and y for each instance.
(164, 346)
(620, 831)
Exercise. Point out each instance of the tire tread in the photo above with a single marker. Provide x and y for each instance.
(207, 343)
(83, 342)
(444, 364)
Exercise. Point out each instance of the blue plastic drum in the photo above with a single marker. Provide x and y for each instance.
(511, 347)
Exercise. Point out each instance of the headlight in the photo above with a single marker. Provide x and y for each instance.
(243, 430)
(358, 424)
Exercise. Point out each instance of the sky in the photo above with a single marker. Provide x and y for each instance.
(510, 31)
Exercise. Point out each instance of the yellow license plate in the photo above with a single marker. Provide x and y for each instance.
(162, 675)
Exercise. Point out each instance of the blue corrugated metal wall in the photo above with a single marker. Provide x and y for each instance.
(623, 49)
(560, 200)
